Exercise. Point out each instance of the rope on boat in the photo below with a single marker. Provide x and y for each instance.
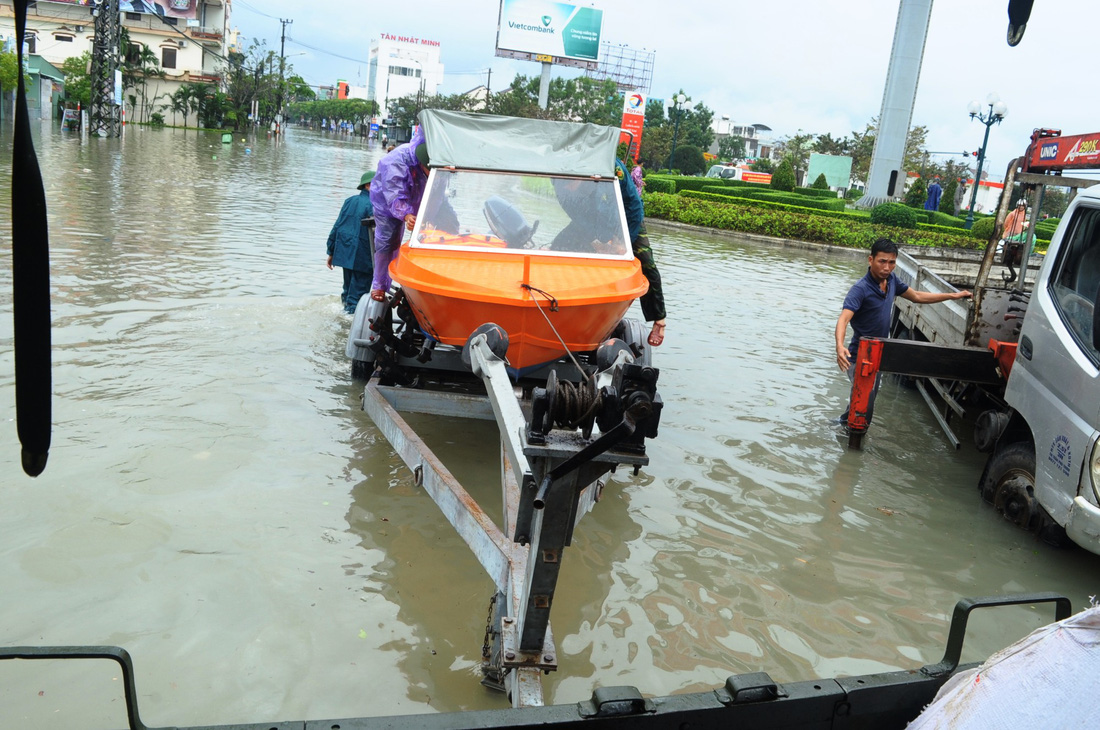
(553, 308)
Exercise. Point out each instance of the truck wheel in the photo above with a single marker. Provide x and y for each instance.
(1010, 485)
(361, 369)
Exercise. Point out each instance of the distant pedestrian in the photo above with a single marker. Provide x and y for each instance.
(934, 193)
(637, 176)
(349, 245)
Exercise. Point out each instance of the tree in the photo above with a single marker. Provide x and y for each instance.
(1055, 201)
(299, 90)
(820, 183)
(796, 150)
(78, 86)
(656, 146)
(917, 193)
(9, 73)
(180, 102)
(731, 148)
(947, 200)
(763, 164)
(783, 177)
(827, 144)
(688, 159)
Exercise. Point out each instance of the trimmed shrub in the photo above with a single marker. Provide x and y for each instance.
(774, 219)
(659, 184)
(957, 230)
(820, 183)
(815, 192)
(771, 204)
(894, 214)
(947, 200)
(983, 229)
(775, 196)
(1045, 229)
(943, 219)
(783, 177)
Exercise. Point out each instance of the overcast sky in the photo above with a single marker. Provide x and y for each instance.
(790, 64)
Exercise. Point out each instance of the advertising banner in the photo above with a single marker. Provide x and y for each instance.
(165, 8)
(633, 122)
(549, 30)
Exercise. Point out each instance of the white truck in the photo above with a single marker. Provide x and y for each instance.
(1023, 356)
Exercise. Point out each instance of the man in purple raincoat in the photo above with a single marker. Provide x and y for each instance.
(396, 192)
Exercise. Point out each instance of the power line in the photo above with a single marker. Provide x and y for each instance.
(322, 50)
(246, 6)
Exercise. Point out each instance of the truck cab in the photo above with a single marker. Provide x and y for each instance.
(1054, 388)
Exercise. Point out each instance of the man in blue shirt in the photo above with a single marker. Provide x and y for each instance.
(870, 305)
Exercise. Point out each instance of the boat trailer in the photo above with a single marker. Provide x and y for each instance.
(558, 440)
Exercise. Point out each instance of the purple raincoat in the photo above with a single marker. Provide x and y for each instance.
(395, 192)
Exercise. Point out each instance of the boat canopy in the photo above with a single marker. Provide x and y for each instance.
(510, 144)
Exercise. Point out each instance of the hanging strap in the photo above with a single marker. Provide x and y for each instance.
(30, 258)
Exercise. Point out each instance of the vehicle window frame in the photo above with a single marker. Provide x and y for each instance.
(415, 242)
(1070, 253)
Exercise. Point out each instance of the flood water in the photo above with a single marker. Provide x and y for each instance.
(217, 503)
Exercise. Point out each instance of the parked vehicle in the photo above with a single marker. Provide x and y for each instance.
(1024, 357)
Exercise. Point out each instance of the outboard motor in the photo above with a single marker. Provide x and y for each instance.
(507, 223)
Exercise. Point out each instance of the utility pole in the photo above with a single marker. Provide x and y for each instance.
(282, 72)
(103, 113)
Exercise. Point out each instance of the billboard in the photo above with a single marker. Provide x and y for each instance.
(633, 122)
(548, 31)
(165, 8)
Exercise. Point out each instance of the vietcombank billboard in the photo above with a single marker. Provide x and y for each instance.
(540, 30)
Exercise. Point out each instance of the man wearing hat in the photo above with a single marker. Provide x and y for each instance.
(349, 244)
(396, 195)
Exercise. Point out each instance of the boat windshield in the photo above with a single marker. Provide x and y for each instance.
(524, 214)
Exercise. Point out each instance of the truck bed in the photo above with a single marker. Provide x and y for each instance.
(950, 270)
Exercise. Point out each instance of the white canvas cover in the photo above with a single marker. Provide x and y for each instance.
(1045, 680)
(510, 144)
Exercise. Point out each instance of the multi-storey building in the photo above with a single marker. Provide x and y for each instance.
(189, 38)
(402, 66)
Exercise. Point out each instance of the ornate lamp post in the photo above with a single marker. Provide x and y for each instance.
(679, 104)
(997, 111)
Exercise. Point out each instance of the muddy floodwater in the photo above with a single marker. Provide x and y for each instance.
(217, 503)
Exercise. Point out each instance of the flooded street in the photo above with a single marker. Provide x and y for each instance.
(217, 503)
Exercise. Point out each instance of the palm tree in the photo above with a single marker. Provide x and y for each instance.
(180, 102)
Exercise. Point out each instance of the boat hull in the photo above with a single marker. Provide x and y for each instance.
(536, 299)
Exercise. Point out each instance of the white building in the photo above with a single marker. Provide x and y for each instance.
(402, 66)
(756, 145)
(189, 38)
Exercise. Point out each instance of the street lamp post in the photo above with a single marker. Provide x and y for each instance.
(997, 111)
(679, 104)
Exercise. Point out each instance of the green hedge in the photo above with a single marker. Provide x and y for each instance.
(659, 184)
(776, 196)
(939, 218)
(1045, 229)
(815, 192)
(782, 221)
(776, 205)
(956, 230)
(686, 182)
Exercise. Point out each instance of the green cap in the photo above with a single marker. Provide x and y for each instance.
(365, 180)
(422, 154)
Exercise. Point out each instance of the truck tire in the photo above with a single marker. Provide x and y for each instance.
(1009, 484)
